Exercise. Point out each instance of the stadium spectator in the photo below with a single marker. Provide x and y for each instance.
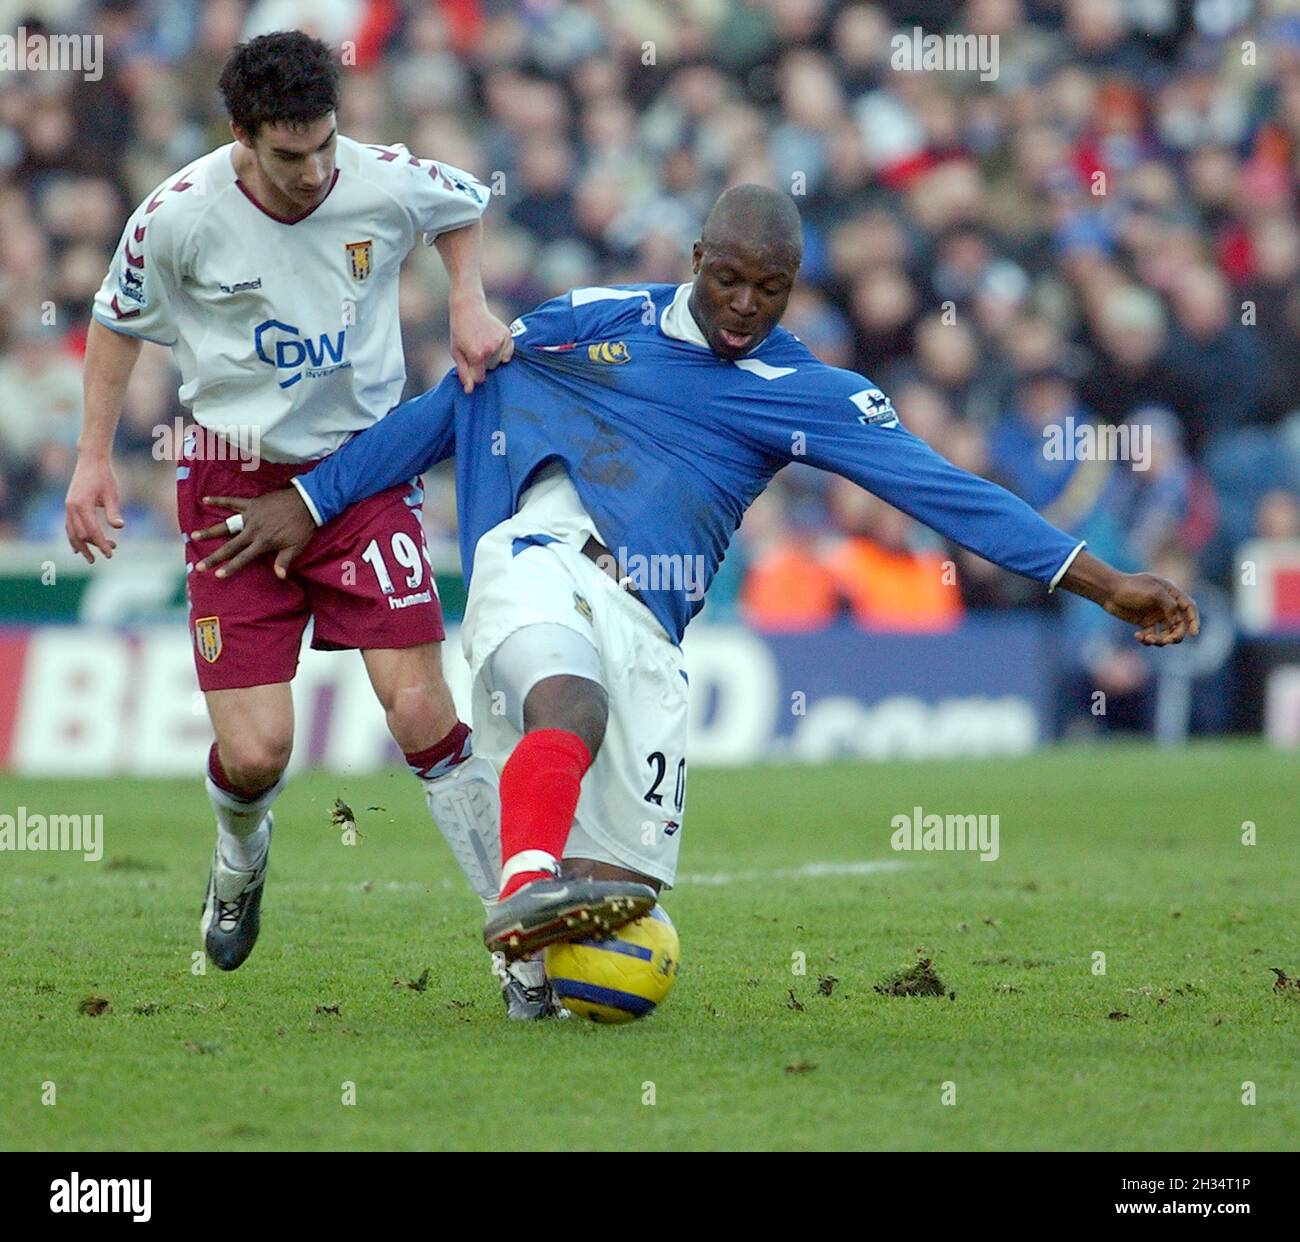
(40, 396)
(893, 573)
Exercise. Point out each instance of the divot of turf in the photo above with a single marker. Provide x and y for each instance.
(420, 984)
(919, 979)
(1285, 984)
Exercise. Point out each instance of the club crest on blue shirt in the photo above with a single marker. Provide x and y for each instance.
(877, 409)
(609, 351)
(360, 256)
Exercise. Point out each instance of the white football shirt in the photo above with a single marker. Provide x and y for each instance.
(287, 328)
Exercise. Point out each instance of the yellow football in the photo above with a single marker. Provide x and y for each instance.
(620, 977)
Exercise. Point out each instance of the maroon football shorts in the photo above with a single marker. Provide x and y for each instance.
(364, 579)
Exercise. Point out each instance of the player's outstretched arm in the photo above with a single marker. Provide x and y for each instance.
(110, 358)
(1162, 613)
(878, 453)
(401, 446)
(413, 438)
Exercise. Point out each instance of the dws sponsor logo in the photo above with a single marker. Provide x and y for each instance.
(283, 347)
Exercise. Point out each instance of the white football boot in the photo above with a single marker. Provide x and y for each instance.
(232, 908)
(526, 989)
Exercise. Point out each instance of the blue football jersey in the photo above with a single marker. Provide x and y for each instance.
(667, 444)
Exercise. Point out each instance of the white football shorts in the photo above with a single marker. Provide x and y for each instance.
(633, 799)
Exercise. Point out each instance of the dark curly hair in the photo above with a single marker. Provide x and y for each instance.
(286, 77)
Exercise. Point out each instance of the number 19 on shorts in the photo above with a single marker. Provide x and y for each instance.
(405, 553)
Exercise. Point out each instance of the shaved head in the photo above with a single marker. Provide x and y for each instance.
(745, 264)
(756, 217)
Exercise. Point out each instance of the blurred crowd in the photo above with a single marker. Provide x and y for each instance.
(1105, 234)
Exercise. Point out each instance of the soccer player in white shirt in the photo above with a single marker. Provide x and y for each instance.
(270, 266)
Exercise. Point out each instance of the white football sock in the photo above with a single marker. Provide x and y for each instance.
(241, 826)
(465, 803)
(529, 860)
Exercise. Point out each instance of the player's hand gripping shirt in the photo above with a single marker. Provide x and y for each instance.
(288, 328)
(667, 444)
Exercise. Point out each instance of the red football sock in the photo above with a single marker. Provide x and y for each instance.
(539, 794)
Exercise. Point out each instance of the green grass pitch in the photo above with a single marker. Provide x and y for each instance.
(1126, 851)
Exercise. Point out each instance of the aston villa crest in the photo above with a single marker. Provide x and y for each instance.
(207, 637)
(360, 258)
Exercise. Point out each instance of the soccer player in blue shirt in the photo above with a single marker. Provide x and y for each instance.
(600, 477)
